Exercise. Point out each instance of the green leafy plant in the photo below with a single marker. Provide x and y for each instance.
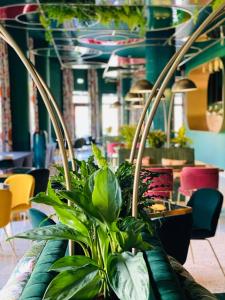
(127, 132)
(92, 221)
(156, 138)
(180, 139)
(132, 16)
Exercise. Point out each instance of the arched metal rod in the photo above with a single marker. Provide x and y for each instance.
(60, 117)
(9, 40)
(152, 95)
(167, 78)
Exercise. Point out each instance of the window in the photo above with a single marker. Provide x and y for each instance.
(178, 111)
(82, 114)
(110, 114)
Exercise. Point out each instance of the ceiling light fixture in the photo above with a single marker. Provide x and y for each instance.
(141, 86)
(184, 85)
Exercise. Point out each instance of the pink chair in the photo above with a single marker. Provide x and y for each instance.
(111, 148)
(161, 186)
(194, 178)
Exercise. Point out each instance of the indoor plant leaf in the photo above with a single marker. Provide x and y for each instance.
(69, 218)
(106, 196)
(128, 276)
(72, 263)
(82, 201)
(84, 284)
(52, 232)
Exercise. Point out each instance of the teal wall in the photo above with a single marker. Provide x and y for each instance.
(156, 59)
(209, 146)
(19, 95)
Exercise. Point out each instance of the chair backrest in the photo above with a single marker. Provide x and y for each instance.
(206, 206)
(79, 143)
(21, 187)
(41, 177)
(192, 178)
(160, 186)
(38, 218)
(5, 207)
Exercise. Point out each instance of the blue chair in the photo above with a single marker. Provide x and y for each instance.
(38, 218)
(206, 206)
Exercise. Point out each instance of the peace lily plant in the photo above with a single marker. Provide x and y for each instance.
(107, 269)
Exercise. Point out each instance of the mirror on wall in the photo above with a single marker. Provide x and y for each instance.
(205, 106)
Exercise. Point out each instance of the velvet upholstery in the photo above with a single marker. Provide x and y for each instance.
(206, 207)
(38, 218)
(41, 277)
(193, 178)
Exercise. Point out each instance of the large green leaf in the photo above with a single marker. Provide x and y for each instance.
(84, 202)
(69, 218)
(52, 232)
(106, 196)
(72, 263)
(131, 239)
(128, 276)
(82, 285)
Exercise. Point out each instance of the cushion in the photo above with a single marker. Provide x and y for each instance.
(22, 272)
(146, 160)
(173, 162)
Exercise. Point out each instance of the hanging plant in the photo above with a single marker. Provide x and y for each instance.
(132, 16)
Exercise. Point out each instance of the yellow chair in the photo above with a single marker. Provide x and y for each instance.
(22, 188)
(5, 212)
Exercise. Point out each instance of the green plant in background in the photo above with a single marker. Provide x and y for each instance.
(93, 222)
(156, 138)
(127, 132)
(180, 139)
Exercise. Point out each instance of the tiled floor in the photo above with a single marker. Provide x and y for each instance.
(204, 269)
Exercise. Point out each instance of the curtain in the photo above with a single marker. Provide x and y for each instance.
(94, 101)
(5, 109)
(68, 108)
(33, 100)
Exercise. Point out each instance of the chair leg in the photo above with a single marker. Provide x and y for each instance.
(221, 268)
(11, 244)
(192, 253)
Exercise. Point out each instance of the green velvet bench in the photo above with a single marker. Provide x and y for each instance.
(169, 280)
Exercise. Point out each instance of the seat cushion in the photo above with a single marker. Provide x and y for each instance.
(162, 277)
(40, 277)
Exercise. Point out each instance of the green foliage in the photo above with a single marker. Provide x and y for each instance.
(127, 132)
(216, 4)
(181, 140)
(92, 221)
(132, 16)
(128, 276)
(101, 161)
(156, 138)
(125, 176)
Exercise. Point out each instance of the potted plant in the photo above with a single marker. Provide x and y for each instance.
(127, 132)
(180, 139)
(156, 138)
(107, 269)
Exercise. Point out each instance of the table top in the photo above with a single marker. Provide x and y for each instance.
(172, 209)
(13, 155)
